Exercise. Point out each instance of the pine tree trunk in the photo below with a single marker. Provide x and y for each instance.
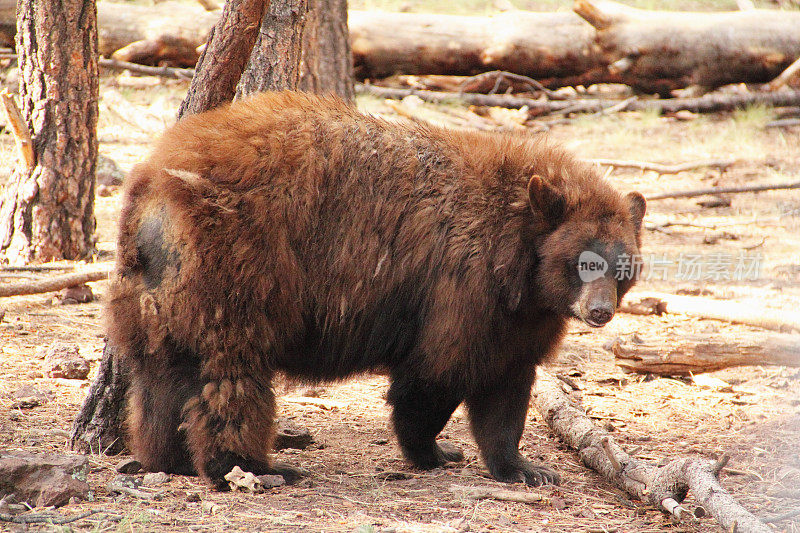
(327, 58)
(225, 56)
(97, 427)
(275, 63)
(47, 212)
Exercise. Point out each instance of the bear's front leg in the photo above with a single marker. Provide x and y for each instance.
(230, 423)
(497, 416)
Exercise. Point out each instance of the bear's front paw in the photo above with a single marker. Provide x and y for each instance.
(523, 471)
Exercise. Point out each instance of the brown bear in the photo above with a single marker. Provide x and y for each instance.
(289, 233)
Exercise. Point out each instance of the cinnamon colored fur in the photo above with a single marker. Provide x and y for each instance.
(290, 233)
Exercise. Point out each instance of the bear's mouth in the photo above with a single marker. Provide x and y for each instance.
(592, 323)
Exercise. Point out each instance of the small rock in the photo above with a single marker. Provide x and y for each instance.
(684, 115)
(211, 508)
(11, 81)
(64, 361)
(193, 497)
(129, 466)
(238, 479)
(43, 479)
(710, 382)
(27, 391)
(26, 403)
(128, 481)
(79, 294)
(153, 479)
(104, 191)
(715, 201)
(291, 435)
(270, 481)
(107, 172)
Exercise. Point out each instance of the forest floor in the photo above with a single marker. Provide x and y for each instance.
(359, 480)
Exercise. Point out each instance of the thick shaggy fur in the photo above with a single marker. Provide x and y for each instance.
(290, 233)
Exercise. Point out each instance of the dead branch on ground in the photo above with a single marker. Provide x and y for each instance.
(660, 168)
(135, 493)
(208, 5)
(22, 135)
(55, 283)
(164, 72)
(695, 355)
(491, 493)
(491, 82)
(784, 77)
(660, 303)
(783, 123)
(664, 487)
(723, 190)
(710, 103)
(48, 518)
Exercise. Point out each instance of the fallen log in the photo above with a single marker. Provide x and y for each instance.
(661, 51)
(654, 51)
(660, 303)
(664, 487)
(697, 354)
(553, 48)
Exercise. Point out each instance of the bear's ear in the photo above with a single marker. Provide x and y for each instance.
(546, 200)
(637, 206)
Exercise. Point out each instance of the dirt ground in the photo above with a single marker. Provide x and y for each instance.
(360, 482)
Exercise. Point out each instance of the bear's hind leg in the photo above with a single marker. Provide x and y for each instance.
(155, 406)
(420, 412)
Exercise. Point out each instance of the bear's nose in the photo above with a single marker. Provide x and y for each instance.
(601, 314)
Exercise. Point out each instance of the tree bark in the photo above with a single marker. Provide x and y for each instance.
(47, 213)
(97, 429)
(327, 58)
(660, 51)
(275, 62)
(225, 56)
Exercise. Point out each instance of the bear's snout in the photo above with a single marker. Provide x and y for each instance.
(597, 301)
(600, 315)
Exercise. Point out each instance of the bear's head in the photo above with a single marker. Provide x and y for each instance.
(588, 252)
